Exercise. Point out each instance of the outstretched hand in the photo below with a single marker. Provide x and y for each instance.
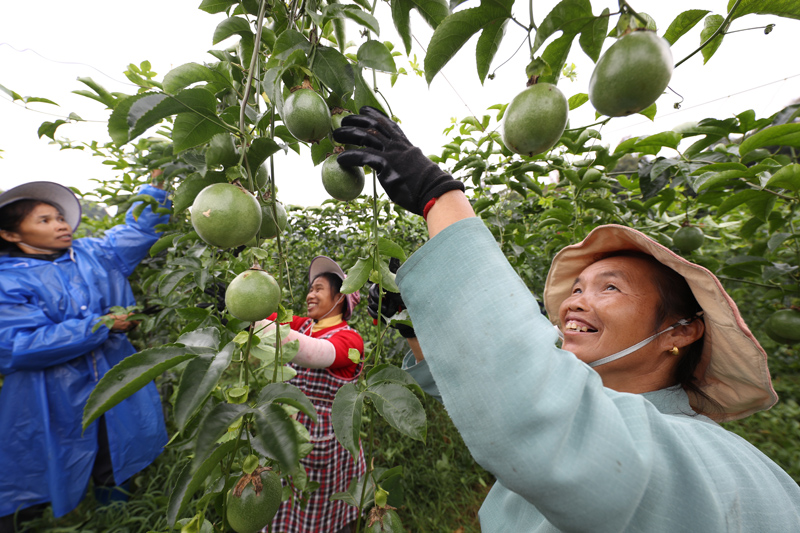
(409, 178)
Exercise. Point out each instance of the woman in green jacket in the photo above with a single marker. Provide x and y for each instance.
(617, 429)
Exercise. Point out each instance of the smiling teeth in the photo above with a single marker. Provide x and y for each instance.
(573, 326)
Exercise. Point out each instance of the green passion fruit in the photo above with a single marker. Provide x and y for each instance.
(225, 215)
(262, 176)
(252, 503)
(342, 183)
(688, 239)
(253, 295)
(535, 119)
(631, 74)
(336, 121)
(784, 326)
(306, 115)
(269, 225)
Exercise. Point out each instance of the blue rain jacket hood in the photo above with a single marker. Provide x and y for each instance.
(51, 361)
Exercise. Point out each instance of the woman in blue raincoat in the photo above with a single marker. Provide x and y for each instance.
(53, 292)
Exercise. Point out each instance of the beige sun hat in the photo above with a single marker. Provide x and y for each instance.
(733, 367)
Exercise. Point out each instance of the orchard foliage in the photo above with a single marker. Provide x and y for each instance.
(737, 179)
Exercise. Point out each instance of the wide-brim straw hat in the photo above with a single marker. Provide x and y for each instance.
(733, 367)
(49, 192)
(322, 264)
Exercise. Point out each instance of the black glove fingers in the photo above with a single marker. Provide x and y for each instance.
(362, 157)
(361, 136)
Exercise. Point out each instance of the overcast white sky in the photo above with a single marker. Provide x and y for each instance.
(46, 46)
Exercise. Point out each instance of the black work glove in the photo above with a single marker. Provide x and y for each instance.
(391, 304)
(409, 178)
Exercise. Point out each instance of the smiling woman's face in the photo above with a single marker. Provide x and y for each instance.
(613, 306)
(321, 299)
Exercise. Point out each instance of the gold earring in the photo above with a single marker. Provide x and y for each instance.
(674, 350)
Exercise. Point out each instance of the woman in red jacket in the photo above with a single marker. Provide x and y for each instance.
(323, 365)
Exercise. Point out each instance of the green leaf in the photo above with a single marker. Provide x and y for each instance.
(654, 143)
(649, 111)
(192, 479)
(189, 188)
(391, 248)
(288, 42)
(277, 435)
(432, 11)
(49, 128)
(568, 16)
(198, 380)
(103, 95)
(364, 94)
(288, 394)
(216, 6)
(346, 417)
(335, 71)
(133, 373)
(185, 75)
(231, 26)
(259, 150)
(556, 55)
(362, 18)
(781, 135)
(374, 54)
(400, 408)
(456, 29)
(201, 338)
(711, 24)
(683, 23)
(192, 130)
(782, 8)
(488, 44)
(736, 200)
(593, 35)
(213, 426)
(787, 178)
(357, 276)
(387, 373)
(387, 277)
(577, 100)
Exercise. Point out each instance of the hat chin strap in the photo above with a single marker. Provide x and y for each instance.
(648, 340)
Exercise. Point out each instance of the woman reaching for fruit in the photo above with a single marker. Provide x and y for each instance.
(323, 364)
(617, 429)
(54, 291)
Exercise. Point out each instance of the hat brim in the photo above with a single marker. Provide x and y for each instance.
(321, 265)
(49, 192)
(733, 369)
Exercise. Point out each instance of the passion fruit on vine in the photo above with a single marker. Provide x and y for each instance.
(262, 176)
(631, 74)
(270, 226)
(535, 119)
(342, 183)
(306, 115)
(784, 326)
(252, 503)
(225, 215)
(253, 295)
(688, 239)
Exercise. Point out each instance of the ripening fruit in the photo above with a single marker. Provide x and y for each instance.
(784, 326)
(336, 121)
(262, 176)
(269, 226)
(251, 509)
(306, 115)
(688, 239)
(342, 183)
(253, 295)
(225, 215)
(631, 74)
(535, 119)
